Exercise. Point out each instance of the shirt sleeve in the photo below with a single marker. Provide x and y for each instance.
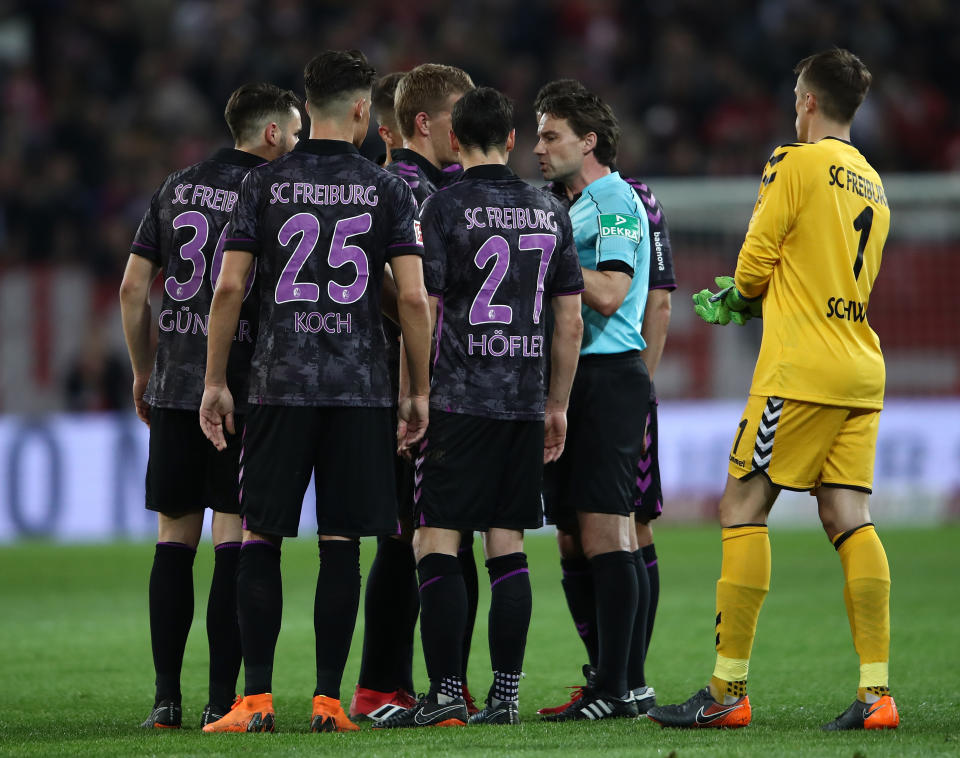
(146, 242)
(434, 250)
(564, 276)
(773, 215)
(619, 231)
(243, 229)
(662, 274)
(406, 236)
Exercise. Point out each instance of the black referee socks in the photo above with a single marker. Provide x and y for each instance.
(638, 644)
(615, 586)
(335, 611)
(443, 619)
(171, 613)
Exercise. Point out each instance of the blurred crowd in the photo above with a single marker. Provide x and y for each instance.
(102, 98)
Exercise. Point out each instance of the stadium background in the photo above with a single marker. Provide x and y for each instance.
(102, 99)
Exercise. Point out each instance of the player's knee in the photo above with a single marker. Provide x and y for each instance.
(569, 545)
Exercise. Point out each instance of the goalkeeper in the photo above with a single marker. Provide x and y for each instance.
(811, 256)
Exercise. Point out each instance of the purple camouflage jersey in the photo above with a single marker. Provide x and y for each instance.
(661, 254)
(495, 251)
(322, 222)
(183, 232)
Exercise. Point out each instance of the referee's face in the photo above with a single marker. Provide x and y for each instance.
(559, 150)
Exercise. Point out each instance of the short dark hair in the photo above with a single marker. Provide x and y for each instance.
(839, 80)
(335, 73)
(425, 89)
(585, 112)
(556, 87)
(483, 118)
(250, 105)
(382, 98)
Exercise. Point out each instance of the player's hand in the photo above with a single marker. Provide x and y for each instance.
(554, 434)
(216, 409)
(413, 415)
(139, 390)
(737, 302)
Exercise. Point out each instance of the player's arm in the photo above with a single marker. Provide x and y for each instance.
(216, 407)
(136, 315)
(413, 309)
(564, 353)
(388, 296)
(656, 322)
(773, 217)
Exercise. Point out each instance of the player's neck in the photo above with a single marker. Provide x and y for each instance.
(589, 172)
(332, 130)
(423, 148)
(471, 158)
(821, 128)
(261, 151)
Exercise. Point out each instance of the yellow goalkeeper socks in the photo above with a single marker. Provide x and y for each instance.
(867, 597)
(744, 582)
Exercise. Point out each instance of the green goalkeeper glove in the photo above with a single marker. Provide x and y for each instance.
(727, 305)
(737, 302)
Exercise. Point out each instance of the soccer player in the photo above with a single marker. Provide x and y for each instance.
(811, 255)
(577, 579)
(423, 101)
(591, 490)
(321, 222)
(496, 251)
(181, 234)
(381, 103)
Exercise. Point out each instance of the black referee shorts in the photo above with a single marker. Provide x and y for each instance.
(185, 472)
(350, 451)
(476, 473)
(597, 472)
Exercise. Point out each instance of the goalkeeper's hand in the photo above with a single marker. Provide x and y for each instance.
(727, 305)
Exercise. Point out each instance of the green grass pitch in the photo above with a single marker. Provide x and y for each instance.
(76, 673)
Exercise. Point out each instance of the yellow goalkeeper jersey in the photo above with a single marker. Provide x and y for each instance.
(812, 251)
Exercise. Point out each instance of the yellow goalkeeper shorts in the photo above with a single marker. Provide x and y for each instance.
(801, 446)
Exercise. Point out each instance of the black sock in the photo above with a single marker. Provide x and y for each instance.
(260, 609)
(335, 611)
(649, 557)
(510, 604)
(615, 586)
(390, 609)
(443, 616)
(638, 643)
(171, 613)
(468, 566)
(578, 589)
(223, 627)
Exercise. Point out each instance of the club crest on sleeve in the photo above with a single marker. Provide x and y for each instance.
(417, 232)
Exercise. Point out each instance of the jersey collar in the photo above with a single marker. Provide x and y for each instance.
(237, 157)
(326, 147)
(406, 155)
(489, 171)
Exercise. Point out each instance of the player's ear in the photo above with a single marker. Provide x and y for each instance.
(511, 139)
(272, 134)
(810, 103)
(385, 135)
(454, 142)
(421, 124)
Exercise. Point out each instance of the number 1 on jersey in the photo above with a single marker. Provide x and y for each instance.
(862, 224)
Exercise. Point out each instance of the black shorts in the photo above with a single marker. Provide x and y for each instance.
(649, 502)
(597, 472)
(477, 473)
(185, 472)
(403, 470)
(350, 451)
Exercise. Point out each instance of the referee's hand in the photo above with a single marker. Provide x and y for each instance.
(554, 434)
(216, 408)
